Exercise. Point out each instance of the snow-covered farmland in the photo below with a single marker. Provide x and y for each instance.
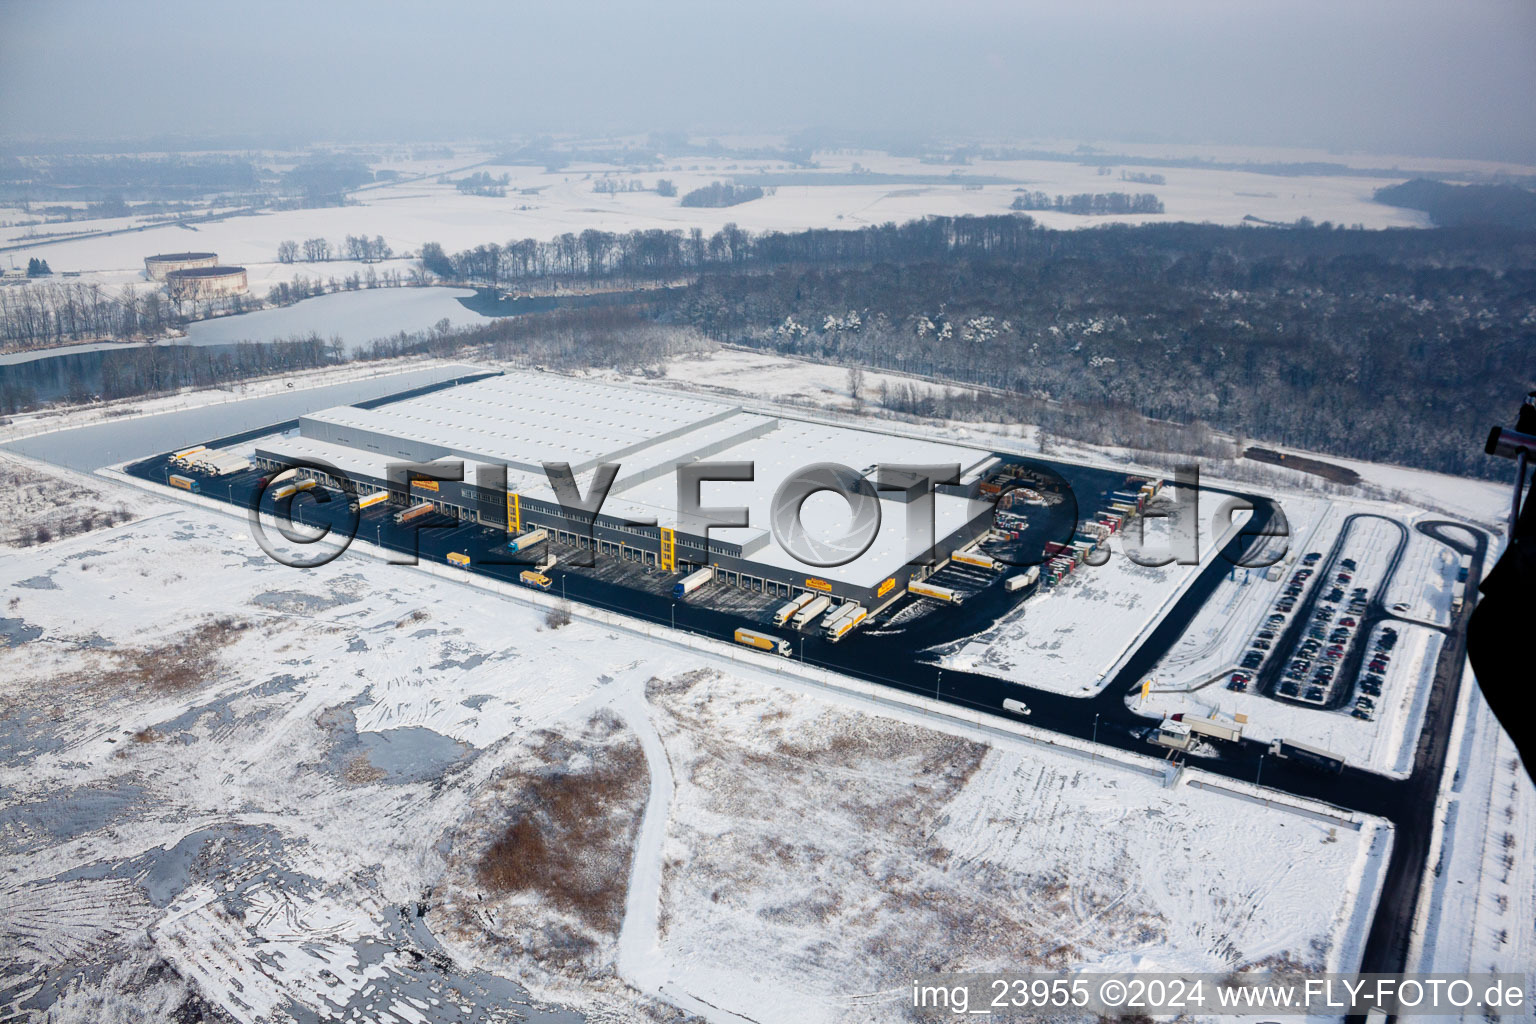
(814, 856)
(543, 204)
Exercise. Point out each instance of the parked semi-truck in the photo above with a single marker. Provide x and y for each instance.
(524, 541)
(186, 483)
(285, 491)
(1309, 756)
(845, 624)
(414, 512)
(693, 581)
(459, 559)
(763, 642)
(1022, 580)
(937, 593)
(537, 580)
(810, 611)
(786, 611)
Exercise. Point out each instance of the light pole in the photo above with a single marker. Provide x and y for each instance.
(1095, 733)
(937, 680)
(1260, 774)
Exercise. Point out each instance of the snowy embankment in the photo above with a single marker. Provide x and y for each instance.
(1479, 895)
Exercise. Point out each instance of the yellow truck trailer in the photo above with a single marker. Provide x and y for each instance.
(763, 642)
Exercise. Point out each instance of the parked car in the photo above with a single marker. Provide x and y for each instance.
(1361, 713)
(1314, 693)
(1289, 689)
(1348, 563)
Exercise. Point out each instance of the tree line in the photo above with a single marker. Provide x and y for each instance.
(1090, 204)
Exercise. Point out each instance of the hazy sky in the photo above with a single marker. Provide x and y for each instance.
(1453, 78)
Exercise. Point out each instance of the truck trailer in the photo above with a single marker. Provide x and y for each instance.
(936, 593)
(845, 623)
(1022, 580)
(376, 498)
(537, 580)
(414, 512)
(186, 483)
(787, 610)
(975, 558)
(524, 541)
(459, 559)
(810, 611)
(763, 642)
(1312, 757)
(693, 581)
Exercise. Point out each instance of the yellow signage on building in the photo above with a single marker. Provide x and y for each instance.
(821, 585)
(514, 513)
(426, 485)
(668, 549)
(885, 588)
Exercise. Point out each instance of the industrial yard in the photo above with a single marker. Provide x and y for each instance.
(452, 712)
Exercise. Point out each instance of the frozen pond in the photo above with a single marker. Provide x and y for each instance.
(355, 317)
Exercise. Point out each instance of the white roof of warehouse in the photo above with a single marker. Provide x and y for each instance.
(794, 446)
(530, 418)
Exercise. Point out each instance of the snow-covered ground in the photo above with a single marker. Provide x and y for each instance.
(542, 204)
(1480, 878)
(261, 779)
(815, 855)
(1069, 638)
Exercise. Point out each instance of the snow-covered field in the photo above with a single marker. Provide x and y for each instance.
(268, 790)
(815, 855)
(541, 204)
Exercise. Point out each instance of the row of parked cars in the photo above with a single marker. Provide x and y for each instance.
(1310, 674)
(1371, 682)
(1269, 633)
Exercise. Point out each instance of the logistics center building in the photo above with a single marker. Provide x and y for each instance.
(522, 420)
